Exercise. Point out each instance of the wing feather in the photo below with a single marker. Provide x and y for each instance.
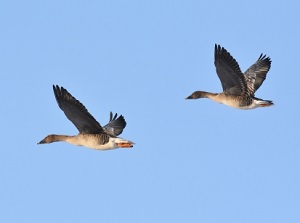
(229, 72)
(76, 112)
(259, 69)
(115, 125)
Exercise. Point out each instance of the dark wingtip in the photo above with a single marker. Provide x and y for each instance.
(113, 117)
(219, 51)
(55, 88)
(216, 48)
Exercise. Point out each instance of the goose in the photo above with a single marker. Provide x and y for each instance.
(91, 133)
(238, 88)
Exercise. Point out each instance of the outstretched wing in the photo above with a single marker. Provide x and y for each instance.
(76, 112)
(115, 125)
(229, 72)
(258, 70)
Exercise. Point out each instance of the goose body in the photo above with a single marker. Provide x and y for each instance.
(238, 88)
(91, 133)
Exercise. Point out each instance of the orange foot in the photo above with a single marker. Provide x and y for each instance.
(125, 145)
(265, 105)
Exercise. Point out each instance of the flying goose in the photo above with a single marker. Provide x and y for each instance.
(238, 88)
(91, 133)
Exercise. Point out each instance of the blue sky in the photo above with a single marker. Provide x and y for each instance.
(194, 161)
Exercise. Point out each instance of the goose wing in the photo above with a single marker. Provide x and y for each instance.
(229, 72)
(76, 112)
(259, 71)
(115, 125)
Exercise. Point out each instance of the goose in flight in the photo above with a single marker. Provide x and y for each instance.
(238, 88)
(91, 133)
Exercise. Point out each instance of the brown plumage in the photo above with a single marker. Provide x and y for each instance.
(238, 88)
(91, 133)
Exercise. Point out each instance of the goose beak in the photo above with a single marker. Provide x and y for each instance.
(42, 142)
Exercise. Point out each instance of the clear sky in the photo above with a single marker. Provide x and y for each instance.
(193, 161)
